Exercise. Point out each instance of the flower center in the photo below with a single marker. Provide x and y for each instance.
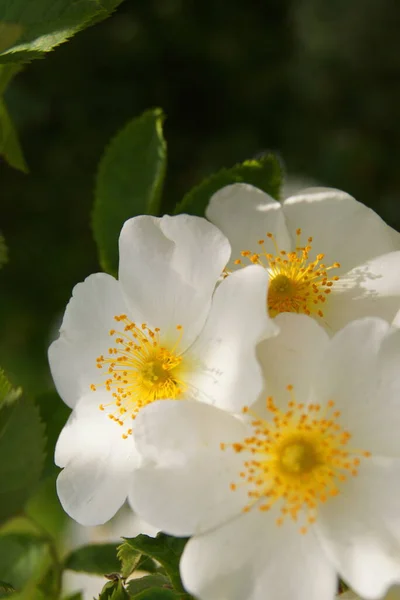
(297, 283)
(298, 459)
(140, 369)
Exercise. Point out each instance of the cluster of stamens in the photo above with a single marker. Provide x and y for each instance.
(140, 370)
(298, 459)
(297, 284)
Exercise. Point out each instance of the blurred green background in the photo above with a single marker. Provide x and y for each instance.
(315, 81)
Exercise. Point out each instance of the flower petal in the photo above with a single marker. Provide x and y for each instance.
(183, 486)
(371, 289)
(360, 528)
(245, 214)
(343, 229)
(169, 267)
(97, 463)
(291, 358)
(359, 372)
(84, 335)
(251, 557)
(226, 372)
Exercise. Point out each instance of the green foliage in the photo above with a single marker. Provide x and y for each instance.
(136, 586)
(10, 147)
(129, 181)
(97, 559)
(159, 594)
(164, 549)
(76, 596)
(114, 590)
(5, 589)
(8, 394)
(21, 557)
(3, 252)
(22, 441)
(30, 29)
(133, 560)
(264, 173)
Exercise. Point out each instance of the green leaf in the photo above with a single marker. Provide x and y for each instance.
(30, 29)
(98, 559)
(7, 393)
(165, 549)
(75, 596)
(159, 594)
(5, 589)
(22, 445)
(114, 590)
(3, 252)
(21, 557)
(7, 72)
(54, 414)
(264, 173)
(132, 560)
(135, 586)
(10, 148)
(129, 181)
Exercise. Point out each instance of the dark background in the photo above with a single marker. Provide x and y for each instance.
(316, 81)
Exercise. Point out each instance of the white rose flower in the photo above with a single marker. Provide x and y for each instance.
(281, 500)
(158, 332)
(328, 256)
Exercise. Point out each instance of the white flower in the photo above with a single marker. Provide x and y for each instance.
(328, 255)
(293, 493)
(158, 332)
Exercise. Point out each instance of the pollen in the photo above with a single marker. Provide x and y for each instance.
(140, 368)
(298, 283)
(295, 461)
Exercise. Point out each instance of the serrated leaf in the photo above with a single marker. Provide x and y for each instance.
(22, 444)
(98, 559)
(54, 414)
(165, 549)
(8, 394)
(21, 557)
(3, 252)
(6, 589)
(159, 594)
(30, 29)
(132, 560)
(264, 173)
(129, 181)
(114, 590)
(10, 147)
(135, 586)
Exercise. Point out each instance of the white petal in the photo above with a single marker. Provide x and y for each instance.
(226, 372)
(371, 289)
(97, 463)
(292, 357)
(360, 373)
(245, 214)
(169, 268)
(252, 558)
(183, 486)
(360, 528)
(84, 335)
(396, 320)
(343, 229)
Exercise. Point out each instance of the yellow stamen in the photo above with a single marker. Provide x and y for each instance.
(140, 369)
(296, 460)
(297, 284)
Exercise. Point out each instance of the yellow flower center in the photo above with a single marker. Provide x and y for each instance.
(140, 369)
(299, 459)
(297, 283)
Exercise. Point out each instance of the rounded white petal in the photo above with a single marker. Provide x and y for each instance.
(245, 214)
(292, 357)
(84, 335)
(360, 373)
(371, 289)
(343, 229)
(183, 486)
(169, 267)
(226, 371)
(360, 528)
(252, 558)
(97, 463)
